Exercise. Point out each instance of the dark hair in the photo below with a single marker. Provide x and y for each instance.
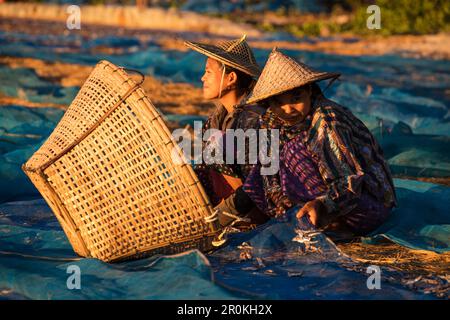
(315, 93)
(244, 82)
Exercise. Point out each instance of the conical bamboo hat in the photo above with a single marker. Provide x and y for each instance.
(234, 53)
(282, 73)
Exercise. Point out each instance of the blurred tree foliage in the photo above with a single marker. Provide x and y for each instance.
(404, 16)
(397, 16)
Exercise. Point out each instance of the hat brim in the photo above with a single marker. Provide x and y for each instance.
(216, 53)
(319, 77)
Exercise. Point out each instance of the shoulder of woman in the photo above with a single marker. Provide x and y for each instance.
(251, 111)
(216, 118)
(328, 113)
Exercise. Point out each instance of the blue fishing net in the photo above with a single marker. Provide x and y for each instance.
(402, 100)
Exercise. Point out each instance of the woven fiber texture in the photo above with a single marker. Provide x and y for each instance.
(108, 175)
(234, 53)
(282, 73)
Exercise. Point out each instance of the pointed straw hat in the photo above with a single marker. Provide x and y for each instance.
(281, 74)
(234, 53)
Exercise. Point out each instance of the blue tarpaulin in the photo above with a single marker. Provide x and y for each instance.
(423, 219)
(35, 256)
(403, 101)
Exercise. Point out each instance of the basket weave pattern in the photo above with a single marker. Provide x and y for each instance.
(282, 73)
(235, 53)
(107, 173)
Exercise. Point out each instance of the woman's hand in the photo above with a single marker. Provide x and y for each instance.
(314, 209)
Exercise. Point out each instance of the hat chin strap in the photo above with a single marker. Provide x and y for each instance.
(221, 80)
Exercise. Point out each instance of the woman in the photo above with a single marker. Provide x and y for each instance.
(330, 164)
(229, 76)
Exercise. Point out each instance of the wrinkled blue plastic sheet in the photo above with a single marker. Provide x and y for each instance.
(402, 100)
(23, 130)
(35, 255)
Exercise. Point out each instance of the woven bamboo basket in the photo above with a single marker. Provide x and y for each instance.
(107, 173)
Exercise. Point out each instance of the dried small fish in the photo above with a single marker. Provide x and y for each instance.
(270, 272)
(413, 281)
(250, 268)
(245, 255)
(260, 263)
(295, 274)
(246, 251)
(245, 245)
(305, 237)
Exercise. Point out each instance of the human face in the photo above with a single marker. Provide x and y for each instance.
(292, 106)
(211, 79)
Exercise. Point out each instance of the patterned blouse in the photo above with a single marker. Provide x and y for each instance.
(221, 120)
(346, 155)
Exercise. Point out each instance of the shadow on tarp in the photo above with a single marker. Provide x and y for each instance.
(279, 268)
(35, 255)
(23, 130)
(375, 88)
(422, 220)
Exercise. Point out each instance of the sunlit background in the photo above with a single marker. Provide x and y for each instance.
(395, 78)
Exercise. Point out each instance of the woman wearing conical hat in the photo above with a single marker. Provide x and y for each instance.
(331, 167)
(230, 73)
